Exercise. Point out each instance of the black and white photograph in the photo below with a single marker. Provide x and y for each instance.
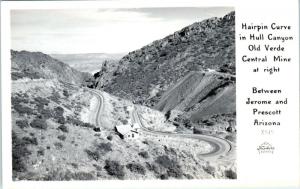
(123, 94)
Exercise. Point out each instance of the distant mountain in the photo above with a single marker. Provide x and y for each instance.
(35, 65)
(89, 62)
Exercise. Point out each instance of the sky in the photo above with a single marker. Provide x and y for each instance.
(100, 30)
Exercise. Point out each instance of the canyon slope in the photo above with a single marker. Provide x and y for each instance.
(191, 73)
(37, 65)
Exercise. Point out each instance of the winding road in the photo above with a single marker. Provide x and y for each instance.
(100, 105)
(220, 146)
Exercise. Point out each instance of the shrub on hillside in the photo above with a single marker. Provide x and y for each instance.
(230, 174)
(153, 167)
(23, 109)
(39, 124)
(30, 141)
(17, 75)
(66, 93)
(61, 137)
(209, 169)
(188, 176)
(58, 115)
(172, 166)
(96, 129)
(136, 168)
(58, 111)
(87, 125)
(41, 100)
(168, 115)
(46, 113)
(230, 138)
(94, 155)
(63, 128)
(144, 154)
(19, 154)
(164, 177)
(58, 145)
(57, 175)
(123, 121)
(104, 147)
(114, 169)
(82, 176)
(41, 152)
(55, 96)
(175, 172)
(19, 98)
(77, 122)
(22, 123)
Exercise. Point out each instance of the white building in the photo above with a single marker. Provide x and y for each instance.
(128, 131)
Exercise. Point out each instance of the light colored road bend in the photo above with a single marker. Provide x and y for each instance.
(220, 146)
(100, 105)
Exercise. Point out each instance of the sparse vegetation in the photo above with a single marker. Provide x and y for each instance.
(96, 129)
(153, 167)
(104, 147)
(66, 93)
(88, 125)
(168, 114)
(82, 176)
(173, 168)
(30, 141)
(230, 138)
(40, 101)
(22, 123)
(46, 113)
(123, 121)
(61, 137)
(188, 176)
(77, 122)
(114, 169)
(41, 152)
(39, 124)
(58, 145)
(136, 168)
(63, 128)
(56, 175)
(75, 165)
(230, 174)
(59, 114)
(20, 153)
(94, 155)
(144, 154)
(55, 97)
(164, 177)
(19, 98)
(21, 109)
(98, 168)
(209, 169)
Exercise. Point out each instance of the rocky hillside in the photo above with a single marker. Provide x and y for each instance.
(146, 74)
(199, 91)
(36, 65)
(55, 137)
